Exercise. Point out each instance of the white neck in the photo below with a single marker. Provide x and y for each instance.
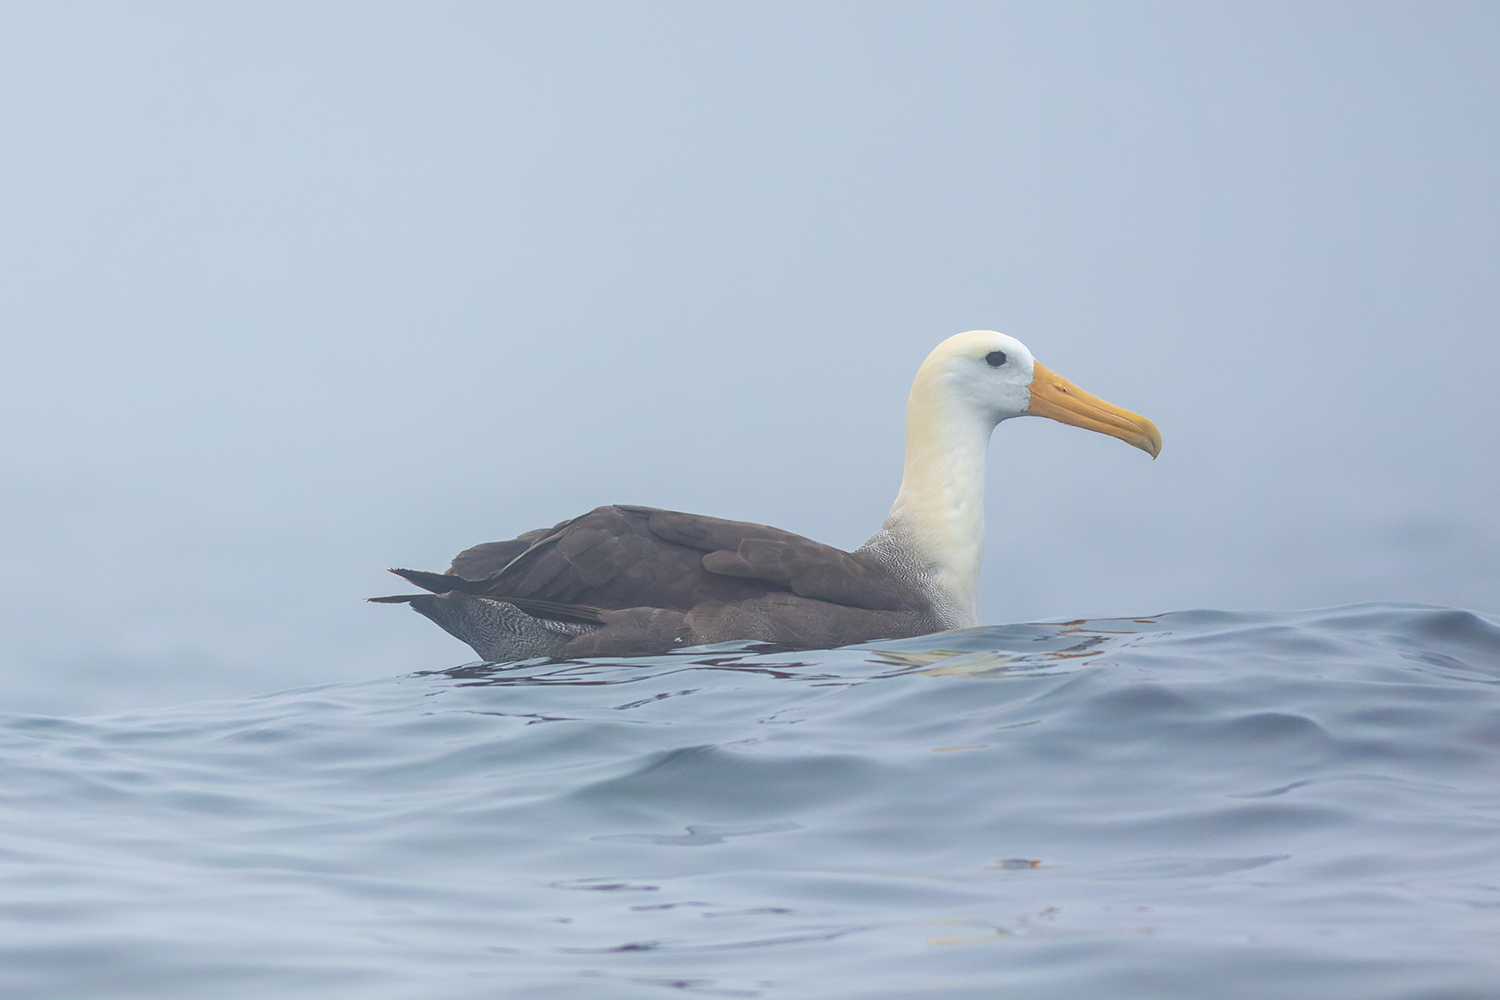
(934, 535)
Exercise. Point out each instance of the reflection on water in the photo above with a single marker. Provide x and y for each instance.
(1196, 804)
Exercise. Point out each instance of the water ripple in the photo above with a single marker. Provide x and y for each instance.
(1195, 804)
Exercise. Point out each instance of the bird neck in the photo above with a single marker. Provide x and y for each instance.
(934, 535)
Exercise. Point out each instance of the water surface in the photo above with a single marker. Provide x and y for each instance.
(1196, 804)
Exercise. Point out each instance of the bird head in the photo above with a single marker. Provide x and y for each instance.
(995, 377)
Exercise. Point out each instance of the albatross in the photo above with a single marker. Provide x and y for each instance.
(623, 580)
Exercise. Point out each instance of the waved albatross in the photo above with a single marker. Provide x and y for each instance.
(625, 580)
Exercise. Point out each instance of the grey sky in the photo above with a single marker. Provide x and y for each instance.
(291, 293)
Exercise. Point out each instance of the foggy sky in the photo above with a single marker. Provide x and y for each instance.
(292, 293)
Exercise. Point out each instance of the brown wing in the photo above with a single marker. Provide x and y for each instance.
(487, 560)
(800, 565)
(609, 558)
(632, 557)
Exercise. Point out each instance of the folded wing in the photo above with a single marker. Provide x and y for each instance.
(621, 557)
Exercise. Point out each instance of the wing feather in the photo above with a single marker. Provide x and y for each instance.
(623, 556)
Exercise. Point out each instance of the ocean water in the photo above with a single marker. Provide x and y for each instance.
(1195, 805)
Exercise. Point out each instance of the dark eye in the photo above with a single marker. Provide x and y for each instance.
(995, 359)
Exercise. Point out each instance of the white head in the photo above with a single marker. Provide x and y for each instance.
(988, 377)
(967, 385)
(980, 375)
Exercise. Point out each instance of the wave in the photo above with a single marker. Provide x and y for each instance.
(1202, 803)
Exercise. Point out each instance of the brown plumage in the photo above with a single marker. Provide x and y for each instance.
(624, 580)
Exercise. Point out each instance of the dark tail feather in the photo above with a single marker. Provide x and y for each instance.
(441, 583)
(552, 611)
(578, 614)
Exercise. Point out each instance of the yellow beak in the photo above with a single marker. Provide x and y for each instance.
(1055, 397)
